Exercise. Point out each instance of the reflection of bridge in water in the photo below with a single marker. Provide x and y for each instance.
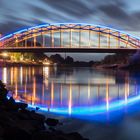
(49, 92)
(69, 37)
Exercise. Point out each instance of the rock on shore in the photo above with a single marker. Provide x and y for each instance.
(18, 123)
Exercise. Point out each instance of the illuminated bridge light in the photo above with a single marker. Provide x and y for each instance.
(18, 32)
(5, 37)
(97, 26)
(125, 40)
(39, 26)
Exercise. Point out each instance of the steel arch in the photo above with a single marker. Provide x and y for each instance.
(24, 34)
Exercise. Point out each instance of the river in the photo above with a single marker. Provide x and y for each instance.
(83, 95)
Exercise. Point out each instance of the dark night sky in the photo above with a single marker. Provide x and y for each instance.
(119, 14)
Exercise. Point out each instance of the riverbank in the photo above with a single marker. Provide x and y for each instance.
(7, 64)
(17, 122)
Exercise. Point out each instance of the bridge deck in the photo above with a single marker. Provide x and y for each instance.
(68, 50)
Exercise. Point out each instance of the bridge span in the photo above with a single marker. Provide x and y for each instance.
(70, 37)
(67, 50)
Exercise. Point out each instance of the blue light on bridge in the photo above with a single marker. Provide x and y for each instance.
(5, 37)
(18, 32)
(59, 24)
(39, 26)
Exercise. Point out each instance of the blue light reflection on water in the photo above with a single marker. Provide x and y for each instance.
(115, 97)
(100, 113)
(94, 109)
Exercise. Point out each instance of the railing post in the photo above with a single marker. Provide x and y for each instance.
(25, 42)
(127, 41)
(79, 38)
(99, 38)
(89, 37)
(70, 39)
(52, 38)
(34, 40)
(109, 39)
(118, 40)
(16, 41)
(43, 36)
(61, 39)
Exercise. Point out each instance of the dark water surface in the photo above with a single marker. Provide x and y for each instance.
(97, 103)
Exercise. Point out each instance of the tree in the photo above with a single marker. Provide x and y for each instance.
(69, 60)
(57, 58)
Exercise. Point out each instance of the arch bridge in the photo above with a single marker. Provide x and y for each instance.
(69, 37)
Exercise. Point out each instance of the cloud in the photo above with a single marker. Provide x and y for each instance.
(45, 13)
(118, 15)
(115, 12)
(76, 8)
(6, 27)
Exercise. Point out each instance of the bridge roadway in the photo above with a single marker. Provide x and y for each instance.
(67, 50)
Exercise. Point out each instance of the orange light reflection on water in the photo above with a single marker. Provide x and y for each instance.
(107, 95)
(126, 86)
(70, 100)
(53, 92)
(4, 75)
(11, 76)
(88, 91)
(34, 91)
(61, 94)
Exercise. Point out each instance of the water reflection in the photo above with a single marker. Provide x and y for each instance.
(73, 91)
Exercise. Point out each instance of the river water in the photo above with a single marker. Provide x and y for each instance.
(87, 94)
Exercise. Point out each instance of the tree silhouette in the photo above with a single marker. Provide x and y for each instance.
(3, 92)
